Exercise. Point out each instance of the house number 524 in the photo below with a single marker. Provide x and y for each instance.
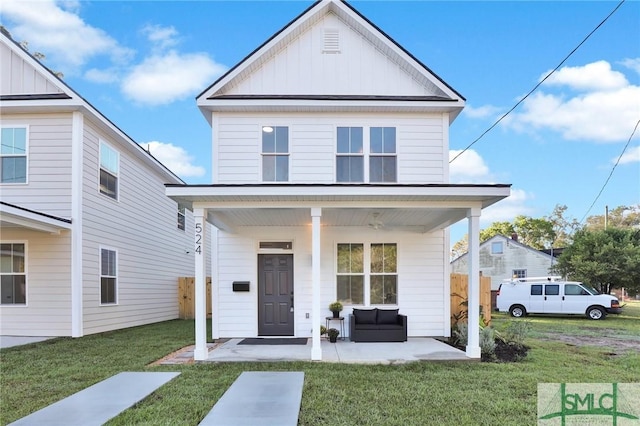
(199, 238)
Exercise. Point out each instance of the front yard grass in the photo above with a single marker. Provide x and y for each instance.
(459, 393)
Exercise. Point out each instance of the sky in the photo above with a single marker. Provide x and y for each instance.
(142, 63)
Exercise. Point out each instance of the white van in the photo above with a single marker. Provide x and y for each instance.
(553, 295)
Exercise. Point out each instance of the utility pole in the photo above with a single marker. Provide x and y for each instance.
(606, 217)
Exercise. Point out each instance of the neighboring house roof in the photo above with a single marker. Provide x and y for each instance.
(55, 94)
(510, 241)
(13, 215)
(555, 252)
(434, 92)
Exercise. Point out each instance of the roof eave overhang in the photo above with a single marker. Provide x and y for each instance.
(29, 219)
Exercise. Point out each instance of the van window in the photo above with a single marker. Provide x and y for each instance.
(536, 290)
(552, 289)
(574, 290)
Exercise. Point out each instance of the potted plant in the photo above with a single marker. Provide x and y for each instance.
(333, 335)
(336, 307)
(323, 330)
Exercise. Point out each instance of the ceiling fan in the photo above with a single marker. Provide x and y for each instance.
(375, 222)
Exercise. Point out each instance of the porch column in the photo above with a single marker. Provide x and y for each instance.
(316, 350)
(200, 353)
(473, 318)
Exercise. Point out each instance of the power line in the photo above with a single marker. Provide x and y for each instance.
(539, 83)
(610, 174)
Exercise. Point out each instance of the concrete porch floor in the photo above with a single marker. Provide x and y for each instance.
(344, 351)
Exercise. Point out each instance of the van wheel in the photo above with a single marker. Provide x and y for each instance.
(596, 313)
(517, 311)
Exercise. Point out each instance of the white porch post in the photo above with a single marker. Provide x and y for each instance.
(473, 318)
(316, 350)
(200, 352)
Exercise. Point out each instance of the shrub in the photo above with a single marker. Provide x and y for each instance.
(487, 342)
(516, 331)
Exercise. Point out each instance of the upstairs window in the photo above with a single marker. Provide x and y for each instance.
(109, 167)
(13, 155)
(181, 217)
(108, 277)
(13, 277)
(350, 156)
(497, 248)
(382, 154)
(275, 154)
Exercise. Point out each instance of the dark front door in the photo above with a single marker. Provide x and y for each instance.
(275, 294)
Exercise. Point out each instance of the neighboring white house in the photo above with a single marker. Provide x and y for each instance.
(504, 258)
(330, 182)
(89, 241)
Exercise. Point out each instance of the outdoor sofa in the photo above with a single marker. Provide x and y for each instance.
(377, 325)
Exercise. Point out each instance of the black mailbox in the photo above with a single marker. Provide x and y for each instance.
(241, 286)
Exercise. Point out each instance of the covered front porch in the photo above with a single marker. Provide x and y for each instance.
(317, 209)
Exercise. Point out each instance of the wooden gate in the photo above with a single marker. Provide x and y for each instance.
(460, 296)
(187, 297)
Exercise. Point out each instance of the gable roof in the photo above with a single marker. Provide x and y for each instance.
(436, 94)
(510, 241)
(47, 92)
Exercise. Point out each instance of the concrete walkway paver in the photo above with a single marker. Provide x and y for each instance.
(97, 404)
(259, 398)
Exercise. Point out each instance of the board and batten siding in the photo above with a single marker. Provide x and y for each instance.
(141, 226)
(20, 78)
(421, 290)
(48, 187)
(48, 267)
(237, 145)
(357, 68)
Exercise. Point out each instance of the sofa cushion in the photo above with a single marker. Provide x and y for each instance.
(365, 316)
(367, 327)
(389, 326)
(387, 316)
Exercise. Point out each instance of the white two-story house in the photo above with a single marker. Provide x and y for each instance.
(330, 182)
(88, 240)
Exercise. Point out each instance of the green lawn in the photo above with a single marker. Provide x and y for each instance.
(459, 393)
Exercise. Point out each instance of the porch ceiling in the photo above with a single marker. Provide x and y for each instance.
(418, 208)
(12, 216)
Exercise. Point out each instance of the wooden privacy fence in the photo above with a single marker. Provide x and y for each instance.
(187, 297)
(460, 296)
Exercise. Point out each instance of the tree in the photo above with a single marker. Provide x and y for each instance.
(620, 217)
(536, 233)
(563, 227)
(606, 259)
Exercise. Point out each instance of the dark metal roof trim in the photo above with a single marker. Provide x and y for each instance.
(37, 212)
(35, 97)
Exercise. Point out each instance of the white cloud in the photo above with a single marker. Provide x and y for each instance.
(176, 158)
(506, 210)
(480, 112)
(102, 76)
(631, 156)
(57, 31)
(162, 37)
(162, 79)
(632, 64)
(468, 168)
(594, 76)
(606, 112)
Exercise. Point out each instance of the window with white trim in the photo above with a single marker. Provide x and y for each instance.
(382, 154)
(350, 155)
(109, 170)
(519, 273)
(181, 217)
(13, 277)
(275, 154)
(350, 274)
(108, 276)
(384, 274)
(497, 247)
(13, 155)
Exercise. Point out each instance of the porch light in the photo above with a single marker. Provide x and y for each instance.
(267, 129)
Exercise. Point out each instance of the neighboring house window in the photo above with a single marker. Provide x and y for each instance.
(181, 217)
(109, 167)
(384, 274)
(496, 248)
(519, 273)
(350, 155)
(13, 155)
(382, 154)
(108, 276)
(13, 277)
(350, 276)
(275, 154)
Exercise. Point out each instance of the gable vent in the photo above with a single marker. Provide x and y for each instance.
(331, 41)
